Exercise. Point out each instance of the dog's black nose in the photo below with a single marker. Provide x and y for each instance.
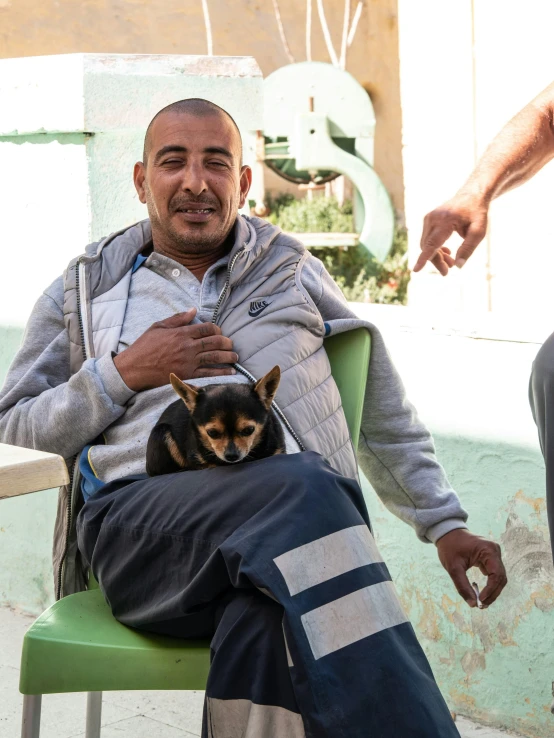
(232, 456)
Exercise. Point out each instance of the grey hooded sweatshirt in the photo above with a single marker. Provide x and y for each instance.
(63, 391)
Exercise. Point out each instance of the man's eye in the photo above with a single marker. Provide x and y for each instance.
(214, 434)
(248, 430)
(217, 164)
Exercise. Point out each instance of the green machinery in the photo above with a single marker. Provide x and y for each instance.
(318, 124)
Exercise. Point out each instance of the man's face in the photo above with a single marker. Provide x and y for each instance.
(193, 183)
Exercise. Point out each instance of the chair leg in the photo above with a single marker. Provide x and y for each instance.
(94, 714)
(30, 725)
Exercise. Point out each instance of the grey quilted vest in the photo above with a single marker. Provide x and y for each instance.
(265, 310)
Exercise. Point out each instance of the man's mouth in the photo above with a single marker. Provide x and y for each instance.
(196, 214)
(196, 210)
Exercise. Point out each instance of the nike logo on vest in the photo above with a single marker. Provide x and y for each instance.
(256, 307)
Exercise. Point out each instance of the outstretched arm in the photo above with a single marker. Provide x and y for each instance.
(517, 153)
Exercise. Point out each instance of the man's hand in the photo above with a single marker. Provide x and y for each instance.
(465, 214)
(459, 550)
(173, 345)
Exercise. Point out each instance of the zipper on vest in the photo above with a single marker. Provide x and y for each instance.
(73, 473)
(82, 310)
(223, 293)
(79, 302)
(241, 369)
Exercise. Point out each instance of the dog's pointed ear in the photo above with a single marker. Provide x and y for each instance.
(187, 393)
(266, 387)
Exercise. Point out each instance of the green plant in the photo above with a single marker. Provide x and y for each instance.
(361, 277)
(320, 215)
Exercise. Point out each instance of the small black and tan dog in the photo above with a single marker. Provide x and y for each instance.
(216, 425)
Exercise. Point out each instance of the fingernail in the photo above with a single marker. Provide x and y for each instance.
(233, 371)
(460, 263)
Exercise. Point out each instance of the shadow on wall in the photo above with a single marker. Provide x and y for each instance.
(493, 665)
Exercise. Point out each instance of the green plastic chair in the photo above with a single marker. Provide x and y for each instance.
(78, 646)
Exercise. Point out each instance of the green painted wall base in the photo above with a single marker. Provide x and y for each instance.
(26, 525)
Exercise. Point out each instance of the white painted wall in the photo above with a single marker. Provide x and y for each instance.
(455, 97)
(45, 216)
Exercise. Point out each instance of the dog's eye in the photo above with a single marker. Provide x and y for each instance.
(248, 430)
(214, 434)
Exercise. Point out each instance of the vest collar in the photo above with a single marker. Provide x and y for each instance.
(252, 236)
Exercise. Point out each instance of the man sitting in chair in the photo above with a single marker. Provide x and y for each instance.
(273, 560)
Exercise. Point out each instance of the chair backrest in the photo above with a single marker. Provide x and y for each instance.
(349, 357)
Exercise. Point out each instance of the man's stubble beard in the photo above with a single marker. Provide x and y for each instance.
(185, 243)
(191, 243)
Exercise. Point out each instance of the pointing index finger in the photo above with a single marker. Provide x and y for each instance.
(436, 231)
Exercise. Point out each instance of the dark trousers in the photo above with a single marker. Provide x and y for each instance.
(274, 561)
(541, 397)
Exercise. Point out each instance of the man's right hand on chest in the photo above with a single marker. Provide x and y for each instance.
(175, 346)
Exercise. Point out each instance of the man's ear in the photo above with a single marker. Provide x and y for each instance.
(245, 183)
(187, 393)
(139, 175)
(266, 387)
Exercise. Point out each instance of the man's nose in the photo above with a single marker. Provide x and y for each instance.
(194, 180)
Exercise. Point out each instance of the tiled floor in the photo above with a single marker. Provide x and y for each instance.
(124, 714)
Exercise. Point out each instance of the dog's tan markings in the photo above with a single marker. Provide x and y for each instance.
(267, 386)
(173, 449)
(246, 443)
(216, 445)
(187, 392)
(243, 421)
(201, 461)
(215, 424)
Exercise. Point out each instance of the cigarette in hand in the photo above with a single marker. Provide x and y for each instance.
(476, 590)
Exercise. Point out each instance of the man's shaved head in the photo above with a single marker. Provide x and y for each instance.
(195, 106)
(192, 179)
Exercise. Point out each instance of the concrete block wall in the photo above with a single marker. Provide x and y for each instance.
(466, 68)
